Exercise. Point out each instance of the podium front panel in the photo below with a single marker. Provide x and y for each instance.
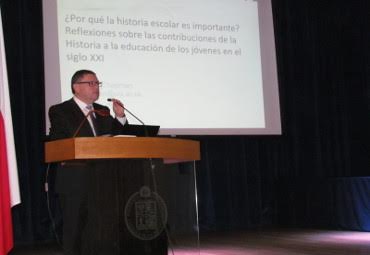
(142, 206)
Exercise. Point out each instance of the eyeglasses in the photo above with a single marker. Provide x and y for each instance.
(91, 83)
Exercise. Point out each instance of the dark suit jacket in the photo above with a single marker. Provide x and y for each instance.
(65, 118)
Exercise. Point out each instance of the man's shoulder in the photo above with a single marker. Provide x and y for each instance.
(64, 103)
(61, 106)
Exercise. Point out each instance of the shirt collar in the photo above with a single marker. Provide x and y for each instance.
(80, 104)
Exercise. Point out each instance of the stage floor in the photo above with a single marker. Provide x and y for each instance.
(271, 242)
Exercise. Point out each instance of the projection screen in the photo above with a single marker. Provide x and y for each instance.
(194, 67)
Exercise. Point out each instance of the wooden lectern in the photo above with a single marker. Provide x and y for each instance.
(120, 168)
(169, 149)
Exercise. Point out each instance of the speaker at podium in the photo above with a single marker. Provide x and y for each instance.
(139, 196)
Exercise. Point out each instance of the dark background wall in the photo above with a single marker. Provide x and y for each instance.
(244, 181)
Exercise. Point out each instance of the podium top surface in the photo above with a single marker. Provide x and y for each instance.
(170, 149)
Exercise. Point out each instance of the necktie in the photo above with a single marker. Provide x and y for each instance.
(92, 119)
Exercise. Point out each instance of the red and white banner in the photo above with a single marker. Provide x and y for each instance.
(9, 188)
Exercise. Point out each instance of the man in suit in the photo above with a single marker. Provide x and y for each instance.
(80, 117)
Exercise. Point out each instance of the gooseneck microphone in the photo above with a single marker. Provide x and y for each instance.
(127, 110)
(133, 115)
(99, 112)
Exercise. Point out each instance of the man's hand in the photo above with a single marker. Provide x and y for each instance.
(118, 108)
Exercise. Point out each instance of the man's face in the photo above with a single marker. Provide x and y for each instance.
(87, 88)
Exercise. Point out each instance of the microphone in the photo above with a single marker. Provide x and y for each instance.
(127, 110)
(133, 115)
(99, 112)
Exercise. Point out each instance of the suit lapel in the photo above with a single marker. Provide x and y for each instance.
(99, 120)
(78, 118)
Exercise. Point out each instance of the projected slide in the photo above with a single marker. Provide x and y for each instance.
(192, 67)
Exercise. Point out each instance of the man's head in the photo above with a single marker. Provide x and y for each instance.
(85, 86)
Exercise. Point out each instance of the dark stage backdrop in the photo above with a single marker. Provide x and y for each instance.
(244, 181)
